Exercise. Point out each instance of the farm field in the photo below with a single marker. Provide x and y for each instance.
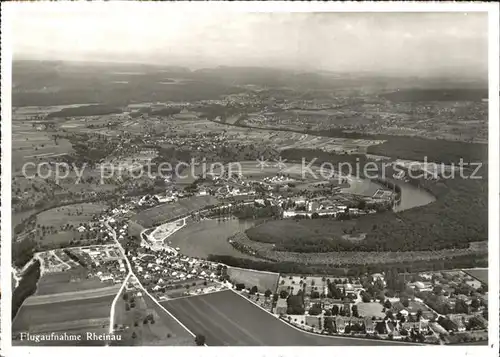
(200, 239)
(30, 145)
(479, 274)
(75, 316)
(67, 281)
(227, 319)
(179, 335)
(73, 215)
(263, 280)
(68, 296)
(142, 325)
(162, 213)
(251, 169)
(280, 140)
(88, 180)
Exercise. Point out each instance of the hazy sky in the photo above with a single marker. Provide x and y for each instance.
(411, 43)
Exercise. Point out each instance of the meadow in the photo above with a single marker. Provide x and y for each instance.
(62, 316)
(57, 220)
(263, 280)
(169, 211)
(67, 281)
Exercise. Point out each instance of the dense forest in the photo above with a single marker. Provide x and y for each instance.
(416, 148)
(460, 262)
(436, 95)
(26, 287)
(439, 151)
(342, 161)
(22, 252)
(458, 217)
(84, 110)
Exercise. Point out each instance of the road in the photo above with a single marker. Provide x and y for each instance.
(228, 319)
(131, 275)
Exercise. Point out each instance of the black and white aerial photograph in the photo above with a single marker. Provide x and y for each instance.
(182, 176)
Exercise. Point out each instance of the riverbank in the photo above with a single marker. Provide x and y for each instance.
(266, 251)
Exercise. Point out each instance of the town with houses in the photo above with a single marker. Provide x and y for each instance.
(438, 307)
(239, 196)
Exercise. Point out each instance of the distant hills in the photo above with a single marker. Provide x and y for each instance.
(58, 82)
(426, 95)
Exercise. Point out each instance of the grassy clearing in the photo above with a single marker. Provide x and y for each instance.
(58, 225)
(261, 279)
(165, 331)
(102, 291)
(371, 309)
(165, 212)
(72, 214)
(67, 281)
(32, 145)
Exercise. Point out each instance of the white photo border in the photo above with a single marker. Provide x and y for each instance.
(492, 349)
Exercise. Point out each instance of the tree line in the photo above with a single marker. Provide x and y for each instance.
(356, 270)
(26, 287)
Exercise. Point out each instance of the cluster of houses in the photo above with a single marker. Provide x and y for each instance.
(104, 262)
(317, 207)
(51, 263)
(165, 270)
(452, 291)
(278, 179)
(227, 191)
(397, 317)
(152, 200)
(245, 98)
(362, 325)
(463, 322)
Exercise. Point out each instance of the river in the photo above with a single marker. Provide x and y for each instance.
(199, 239)
(411, 196)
